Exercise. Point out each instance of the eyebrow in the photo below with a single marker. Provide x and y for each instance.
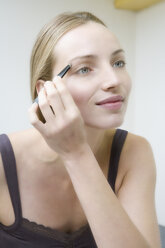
(91, 56)
(118, 51)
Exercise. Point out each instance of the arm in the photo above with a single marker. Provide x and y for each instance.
(130, 217)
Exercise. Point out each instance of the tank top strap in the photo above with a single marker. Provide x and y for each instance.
(117, 145)
(9, 163)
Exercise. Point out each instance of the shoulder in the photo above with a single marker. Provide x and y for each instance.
(133, 143)
(22, 138)
(138, 149)
(137, 140)
(137, 159)
(134, 147)
(21, 142)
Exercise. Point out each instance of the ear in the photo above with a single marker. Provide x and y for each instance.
(39, 85)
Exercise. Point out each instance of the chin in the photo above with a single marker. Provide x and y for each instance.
(106, 124)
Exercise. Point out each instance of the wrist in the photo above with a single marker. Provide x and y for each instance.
(77, 154)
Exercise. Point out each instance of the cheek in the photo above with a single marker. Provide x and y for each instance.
(128, 83)
(81, 94)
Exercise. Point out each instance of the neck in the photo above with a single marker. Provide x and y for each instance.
(97, 139)
(100, 142)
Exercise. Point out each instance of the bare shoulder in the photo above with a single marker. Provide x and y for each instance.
(18, 146)
(138, 153)
(136, 161)
(22, 139)
(20, 142)
(136, 141)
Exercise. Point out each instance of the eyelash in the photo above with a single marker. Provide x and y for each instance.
(120, 61)
(84, 67)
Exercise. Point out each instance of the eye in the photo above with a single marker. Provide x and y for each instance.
(84, 70)
(119, 64)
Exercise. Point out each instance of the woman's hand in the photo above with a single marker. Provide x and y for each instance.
(64, 129)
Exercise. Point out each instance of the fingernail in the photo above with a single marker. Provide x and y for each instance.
(47, 83)
(55, 78)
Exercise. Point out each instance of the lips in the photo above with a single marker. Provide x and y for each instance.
(111, 99)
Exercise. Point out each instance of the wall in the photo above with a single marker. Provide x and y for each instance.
(150, 88)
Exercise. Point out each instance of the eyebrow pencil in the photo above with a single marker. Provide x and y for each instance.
(61, 74)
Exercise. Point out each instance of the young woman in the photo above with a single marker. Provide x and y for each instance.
(75, 179)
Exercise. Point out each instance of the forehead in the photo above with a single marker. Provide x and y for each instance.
(89, 38)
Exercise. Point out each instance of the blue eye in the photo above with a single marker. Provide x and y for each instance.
(119, 64)
(83, 70)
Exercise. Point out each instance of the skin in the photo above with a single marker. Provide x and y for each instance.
(73, 133)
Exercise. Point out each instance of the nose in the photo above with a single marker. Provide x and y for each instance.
(110, 78)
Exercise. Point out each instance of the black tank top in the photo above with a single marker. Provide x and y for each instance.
(26, 234)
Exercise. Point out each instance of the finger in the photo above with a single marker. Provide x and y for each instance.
(44, 105)
(34, 120)
(54, 98)
(65, 95)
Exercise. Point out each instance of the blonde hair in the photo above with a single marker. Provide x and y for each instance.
(42, 59)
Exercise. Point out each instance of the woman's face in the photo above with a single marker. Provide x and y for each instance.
(97, 73)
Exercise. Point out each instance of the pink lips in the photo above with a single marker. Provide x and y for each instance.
(111, 99)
